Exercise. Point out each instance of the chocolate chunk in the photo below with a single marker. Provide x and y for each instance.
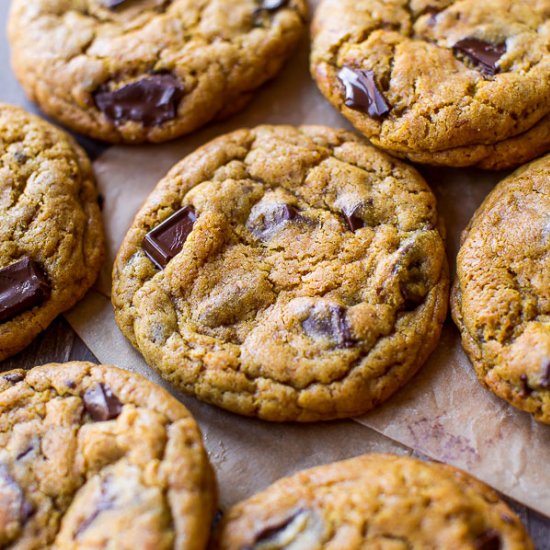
(101, 403)
(483, 54)
(269, 533)
(13, 504)
(271, 218)
(14, 377)
(362, 92)
(329, 322)
(105, 502)
(489, 540)
(24, 453)
(353, 220)
(167, 239)
(23, 285)
(545, 375)
(111, 4)
(526, 390)
(151, 101)
(27, 510)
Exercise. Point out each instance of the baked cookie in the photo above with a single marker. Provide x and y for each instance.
(443, 82)
(374, 501)
(96, 457)
(287, 273)
(149, 70)
(51, 232)
(501, 296)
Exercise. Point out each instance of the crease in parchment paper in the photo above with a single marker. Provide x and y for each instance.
(443, 412)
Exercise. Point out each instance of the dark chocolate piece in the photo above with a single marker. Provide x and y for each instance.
(271, 532)
(362, 92)
(165, 241)
(23, 285)
(545, 375)
(101, 403)
(14, 377)
(111, 4)
(353, 220)
(105, 502)
(483, 54)
(271, 218)
(24, 453)
(27, 510)
(489, 540)
(152, 100)
(329, 322)
(526, 390)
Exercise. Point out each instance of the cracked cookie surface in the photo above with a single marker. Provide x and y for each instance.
(465, 82)
(49, 218)
(311, 281)
(501, 297)
(374, 501)
(92, 456)
(149, 70)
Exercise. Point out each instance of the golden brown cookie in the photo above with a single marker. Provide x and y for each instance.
(51, 233)
(501, 297)
(92, 456)
(444, 82)
(374, 501)
(149, 70)
(287, 273)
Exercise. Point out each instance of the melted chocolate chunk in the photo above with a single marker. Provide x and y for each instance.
(24, 453)
(362, 92)
(483, 54)
(271, 218)
(272, 531)
(101, 403)
(329, 322)
(167, 239)
(545, 375)
(27, 510)
(526, 390)
(353, 220)
(151, 101)
(105, 502)
(23, 285)
(14, 377)
(490, 540)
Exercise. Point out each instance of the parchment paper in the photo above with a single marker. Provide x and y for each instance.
(443, 412)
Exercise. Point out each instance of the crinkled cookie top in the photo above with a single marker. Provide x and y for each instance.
(374, 501)
(95, 457)
(289, 273)
(440, 81)
(149, 70)
(501, 299)
(51, 233)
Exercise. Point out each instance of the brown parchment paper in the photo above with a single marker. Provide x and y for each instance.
(443, 412)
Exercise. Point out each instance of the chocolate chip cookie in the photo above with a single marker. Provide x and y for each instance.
(501, 297)
(51, 233)
(287, 273)
(92, 456)
(149, 70)
(375, 501)
(443, 82)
